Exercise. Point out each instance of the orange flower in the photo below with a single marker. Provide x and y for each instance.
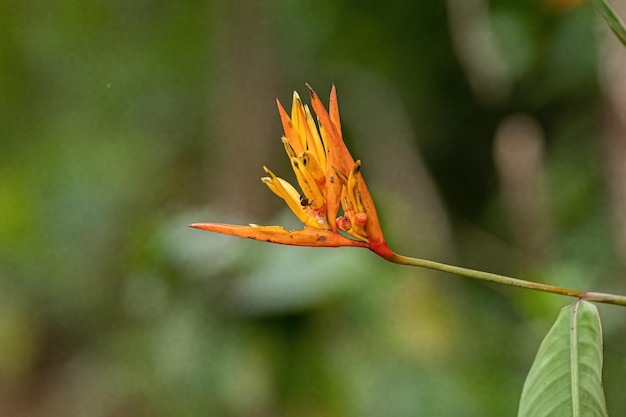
(329, 179)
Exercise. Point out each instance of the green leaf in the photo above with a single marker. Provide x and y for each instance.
(565, 379)
(615, 23)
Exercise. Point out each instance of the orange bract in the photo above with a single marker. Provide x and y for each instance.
(309, 236)
(329, 179)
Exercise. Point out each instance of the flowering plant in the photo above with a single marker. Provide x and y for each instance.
(331, 181)
(337, 209)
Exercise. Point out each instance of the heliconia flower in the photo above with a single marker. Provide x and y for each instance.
(329, 179)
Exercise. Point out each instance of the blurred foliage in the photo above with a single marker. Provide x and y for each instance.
(123, 121)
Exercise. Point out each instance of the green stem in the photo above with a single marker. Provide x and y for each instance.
(612, 19)
(503, 279)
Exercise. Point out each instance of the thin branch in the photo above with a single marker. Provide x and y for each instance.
(503, 279)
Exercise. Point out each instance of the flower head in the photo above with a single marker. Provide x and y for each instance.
(334, 203)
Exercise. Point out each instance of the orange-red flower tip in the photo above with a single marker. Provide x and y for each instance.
(309, 236)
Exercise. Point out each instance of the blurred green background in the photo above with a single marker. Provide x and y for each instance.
(491, 135)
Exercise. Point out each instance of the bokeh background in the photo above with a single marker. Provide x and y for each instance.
(492, 134)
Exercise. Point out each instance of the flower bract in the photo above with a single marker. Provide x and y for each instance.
(332, 199)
